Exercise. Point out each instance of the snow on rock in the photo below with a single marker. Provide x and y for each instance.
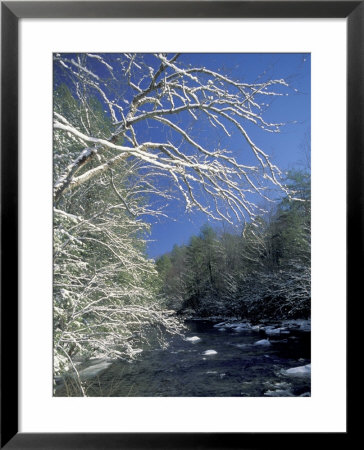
(278, 393)
(241, 327)
(93, 370)
(210, 352)
(263, 342)
(271, 331)
(193, 339)
(301, 371)
(234, 324)
(218, 325)
(298, 324)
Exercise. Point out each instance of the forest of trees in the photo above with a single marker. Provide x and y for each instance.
(105, 287)
(113, 171)
(263, 272)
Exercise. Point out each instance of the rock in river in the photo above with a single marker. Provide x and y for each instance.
(210, 352)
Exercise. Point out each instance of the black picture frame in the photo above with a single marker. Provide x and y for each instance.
(11, 12)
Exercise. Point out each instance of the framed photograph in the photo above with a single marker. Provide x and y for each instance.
(181, 211)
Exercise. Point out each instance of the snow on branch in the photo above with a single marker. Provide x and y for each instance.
(160, 89)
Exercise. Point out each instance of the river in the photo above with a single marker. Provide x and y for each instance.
(211, 361)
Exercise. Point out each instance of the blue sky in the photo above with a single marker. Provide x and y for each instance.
(287, 149)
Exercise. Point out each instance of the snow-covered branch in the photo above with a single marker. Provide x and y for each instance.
(160, 89)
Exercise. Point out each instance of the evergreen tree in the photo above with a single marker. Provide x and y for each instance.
(263, 273)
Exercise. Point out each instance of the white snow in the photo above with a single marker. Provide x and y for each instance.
(236, 326)
(79, 66)
(193, 339)
(263, 342)
(301, 324)
(241, 327)
(218, 325)
(94, 369)
(270, 331)
(301, 371)
(91, 55)
(279, 393)
(210, 352)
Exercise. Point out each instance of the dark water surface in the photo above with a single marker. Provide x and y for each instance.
(239, 367)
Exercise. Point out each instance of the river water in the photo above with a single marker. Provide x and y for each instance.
(216, 362)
